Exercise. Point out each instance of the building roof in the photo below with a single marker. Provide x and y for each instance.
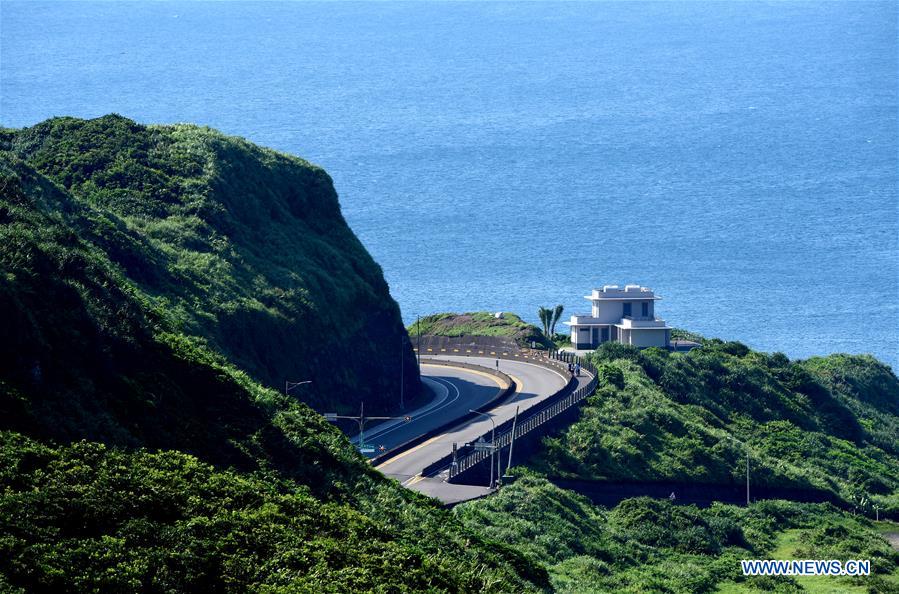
(616, 293)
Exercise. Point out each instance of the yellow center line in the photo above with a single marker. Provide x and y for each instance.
(436, 437)
(497, 380)
(416, 479)
(407, 452)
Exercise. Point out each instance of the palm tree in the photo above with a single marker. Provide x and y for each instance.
(545, 316)
(556, 316)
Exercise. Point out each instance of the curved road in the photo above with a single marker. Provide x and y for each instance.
(465, 389)
(455, 391)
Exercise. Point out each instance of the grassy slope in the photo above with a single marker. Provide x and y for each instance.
(645, 545)
(225, 241)
(828, 422)
(205, 480)
(479, 323)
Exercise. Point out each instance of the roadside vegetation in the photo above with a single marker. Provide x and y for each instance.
(158, 284)
(549, 318)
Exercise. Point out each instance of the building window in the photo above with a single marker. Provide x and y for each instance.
(645, 310)
(627, 309)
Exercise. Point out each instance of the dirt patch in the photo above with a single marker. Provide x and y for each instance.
(893, 539)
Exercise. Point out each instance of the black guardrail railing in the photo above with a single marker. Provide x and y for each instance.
(467, 457)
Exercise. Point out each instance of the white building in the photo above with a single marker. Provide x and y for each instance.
(622, 315)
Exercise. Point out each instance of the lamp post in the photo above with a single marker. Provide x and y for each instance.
(747, 465)
(402, 372)
(492, 441)
(418, 346)
(288, 385)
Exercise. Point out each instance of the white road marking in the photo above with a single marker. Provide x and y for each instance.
(440, 405)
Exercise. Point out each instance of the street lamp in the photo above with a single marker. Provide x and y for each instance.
(288, 385)
(418, 346)
(492, 441)
(402, 371)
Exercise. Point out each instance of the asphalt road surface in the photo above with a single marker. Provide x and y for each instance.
(467, 389)
(455, 391)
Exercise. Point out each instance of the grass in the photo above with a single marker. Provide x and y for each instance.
(479, 324)
(792, 544)
(645, 545)
(827, 423)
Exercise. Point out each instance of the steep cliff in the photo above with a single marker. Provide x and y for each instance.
(157, 286)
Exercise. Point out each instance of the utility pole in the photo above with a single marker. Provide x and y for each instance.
(402, 371)
(492, 441)
(418, 347)
(747, 476)
(747, 465)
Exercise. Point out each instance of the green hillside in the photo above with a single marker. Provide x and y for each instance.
(158, 284)
(828, 423)
(650, 545)
(238, 247)
(154, 281)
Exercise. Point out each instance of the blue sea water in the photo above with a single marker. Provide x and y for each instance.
(738, 157)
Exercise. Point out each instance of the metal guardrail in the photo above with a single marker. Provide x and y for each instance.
(532, 418)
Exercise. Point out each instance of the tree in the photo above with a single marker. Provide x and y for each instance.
(545, 316)
(556, 315)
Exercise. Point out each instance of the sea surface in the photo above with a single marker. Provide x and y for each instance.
(738, 157)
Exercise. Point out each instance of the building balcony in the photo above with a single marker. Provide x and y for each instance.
(582, 320)
(641, 322)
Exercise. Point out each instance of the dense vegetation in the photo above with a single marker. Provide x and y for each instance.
(480, 323)
(85, 518)
(152, 282)
(647, 545)
(827, 423)
(193, 233)
(157, 284)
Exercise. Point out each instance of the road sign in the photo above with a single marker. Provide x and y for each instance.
(330, 416)
(367, 449)
(480, 444)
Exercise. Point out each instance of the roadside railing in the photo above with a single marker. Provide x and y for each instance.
(531, 419)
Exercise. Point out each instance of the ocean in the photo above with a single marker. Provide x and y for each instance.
(740, 158)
